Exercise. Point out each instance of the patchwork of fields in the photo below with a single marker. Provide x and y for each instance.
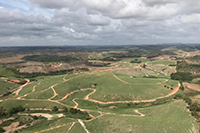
(115, 100)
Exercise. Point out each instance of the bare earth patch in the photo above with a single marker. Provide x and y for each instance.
(112, 107)
(32, 66)
(12, 59)
(12, 127)
(191, 86)
(136, 111)
(46, 115)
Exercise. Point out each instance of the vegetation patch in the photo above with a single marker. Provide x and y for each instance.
(181, 76)
(51, 58)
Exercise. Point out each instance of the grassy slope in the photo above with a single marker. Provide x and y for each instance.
(44, 84)
(164, 62)
(112, 89)
(108, 87)
(172, 117)
(43, 95)
(5, 73)
(5, 86)
(77, 95)
(27, 89)
(29, 104)
(77, 128)
(45, 124)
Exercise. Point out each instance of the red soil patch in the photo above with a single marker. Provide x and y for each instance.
(15, 81)
(112, 107)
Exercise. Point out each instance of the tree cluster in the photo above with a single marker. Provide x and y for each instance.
(181, 76)
(10, 112)
(136, 61)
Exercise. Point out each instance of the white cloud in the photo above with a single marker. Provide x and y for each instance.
(99, 21)
(54, 4)
(98, 29)
(68, 30)
(193, 18)
(78, 35)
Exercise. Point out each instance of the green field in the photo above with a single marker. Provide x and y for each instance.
(109, 87)
(48, 82)
(164, 62)
(76, 96)
(6, 86)
(127, 98)
(29, 104)
(59, 125)
(171, 118)
(6, 73)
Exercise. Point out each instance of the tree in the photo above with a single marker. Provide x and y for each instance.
(15, 110)
(73, 111)
(194, 107)
(95, 85)
(2, 112)
(1, 130)
(144, 66)
(135, 61)
(182, 87)
(55, 109)
(65, 110)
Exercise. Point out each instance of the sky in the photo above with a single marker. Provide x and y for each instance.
(98, 22)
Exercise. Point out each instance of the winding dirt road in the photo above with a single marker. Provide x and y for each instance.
(22, 86)
(45, 130)
(134, 101)
(83, 125)
(137, 83)
(76, 104)
(54, 93)
(71, 127)
(70, 93)
(87, 97)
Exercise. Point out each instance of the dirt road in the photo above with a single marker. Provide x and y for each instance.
(71, 127)
(83, 125)
(22, 86)
(136, 111)
(134, 101)
(76, 104)
(35, 87)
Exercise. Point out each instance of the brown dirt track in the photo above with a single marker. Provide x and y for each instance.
(191, 86)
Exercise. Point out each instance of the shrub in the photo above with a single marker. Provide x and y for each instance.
(55, 109)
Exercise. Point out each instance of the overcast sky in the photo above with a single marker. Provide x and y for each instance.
(98, 22)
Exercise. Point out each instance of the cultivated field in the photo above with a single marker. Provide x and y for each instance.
(105, 87)
(122, 97)
(6, 86)
(163, 118)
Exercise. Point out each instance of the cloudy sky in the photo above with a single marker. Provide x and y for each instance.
(98, 22)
